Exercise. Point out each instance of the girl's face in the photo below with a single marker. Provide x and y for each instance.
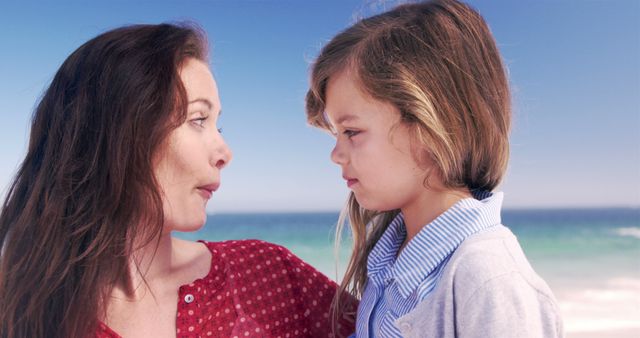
(188, 169)
(372, 147)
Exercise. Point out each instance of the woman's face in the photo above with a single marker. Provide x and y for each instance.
(188, 169)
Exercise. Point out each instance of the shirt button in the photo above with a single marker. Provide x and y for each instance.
(188, 298)
(405, 326)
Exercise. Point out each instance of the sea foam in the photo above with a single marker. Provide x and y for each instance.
(628, 232)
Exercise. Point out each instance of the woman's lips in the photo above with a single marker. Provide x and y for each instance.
(206, 194)
(207, 190)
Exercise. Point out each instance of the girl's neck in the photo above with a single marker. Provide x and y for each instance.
(427, 207)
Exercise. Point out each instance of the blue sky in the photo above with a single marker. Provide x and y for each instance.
(574, 68)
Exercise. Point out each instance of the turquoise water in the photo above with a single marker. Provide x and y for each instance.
(564, 246)
(571, 248)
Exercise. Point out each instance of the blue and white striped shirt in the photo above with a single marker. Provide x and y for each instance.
(395, 286)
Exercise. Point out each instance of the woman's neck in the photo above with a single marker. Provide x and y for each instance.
(149, 265)
(162, 266)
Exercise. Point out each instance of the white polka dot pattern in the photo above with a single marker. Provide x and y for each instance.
(255, 289)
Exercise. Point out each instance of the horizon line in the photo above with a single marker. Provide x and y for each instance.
(541, 208)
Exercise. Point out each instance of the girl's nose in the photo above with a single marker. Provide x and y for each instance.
(337, 155)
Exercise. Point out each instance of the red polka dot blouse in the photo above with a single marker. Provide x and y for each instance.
(255, 289)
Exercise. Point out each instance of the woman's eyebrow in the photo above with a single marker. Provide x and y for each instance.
(202, 100)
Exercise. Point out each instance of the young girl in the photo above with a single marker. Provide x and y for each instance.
(124, 150)
(418, 101)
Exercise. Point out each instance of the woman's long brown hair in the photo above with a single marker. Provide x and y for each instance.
(85, 192)
(437, 63)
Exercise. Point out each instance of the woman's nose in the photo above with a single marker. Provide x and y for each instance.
(224, 155)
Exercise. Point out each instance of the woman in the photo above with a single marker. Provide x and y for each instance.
(124, 149)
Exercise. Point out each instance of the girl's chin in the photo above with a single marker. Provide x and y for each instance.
(374, 205)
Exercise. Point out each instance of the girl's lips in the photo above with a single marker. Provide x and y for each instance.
(351, 182)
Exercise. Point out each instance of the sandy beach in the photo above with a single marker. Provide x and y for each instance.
(610, 310)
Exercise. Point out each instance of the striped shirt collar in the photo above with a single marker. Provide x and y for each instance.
(434, 243)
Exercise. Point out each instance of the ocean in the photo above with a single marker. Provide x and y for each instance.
(589, 257)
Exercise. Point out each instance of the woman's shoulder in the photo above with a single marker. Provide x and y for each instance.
(246, 247)
(266, 261)
(256, 255)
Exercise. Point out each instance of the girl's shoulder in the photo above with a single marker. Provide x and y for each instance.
(489, 254)
(492, 263)
(487, 286)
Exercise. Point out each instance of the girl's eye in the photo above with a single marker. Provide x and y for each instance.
(350, 133)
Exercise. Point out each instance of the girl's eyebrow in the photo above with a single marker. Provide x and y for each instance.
(339, 120)
(345, 118)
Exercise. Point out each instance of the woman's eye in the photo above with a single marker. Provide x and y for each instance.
(200, 121)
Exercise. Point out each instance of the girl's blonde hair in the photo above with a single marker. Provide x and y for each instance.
(438, 64)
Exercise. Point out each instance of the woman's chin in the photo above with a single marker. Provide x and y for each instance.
(190, 226)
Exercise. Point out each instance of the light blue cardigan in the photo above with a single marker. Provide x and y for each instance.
(488, 289)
